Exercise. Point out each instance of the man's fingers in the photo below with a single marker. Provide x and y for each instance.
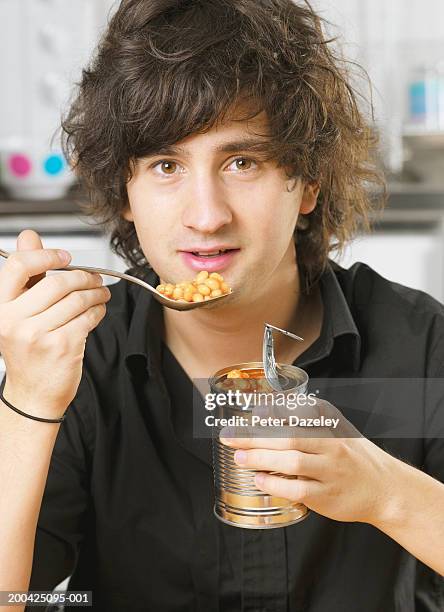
(22, 266)
(294, 431)
(54, 288)
(297, 489)
(80, 326)
(70, 307)
(291, 462)
(306, 445)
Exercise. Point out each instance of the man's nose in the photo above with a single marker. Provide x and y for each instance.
(207, 209)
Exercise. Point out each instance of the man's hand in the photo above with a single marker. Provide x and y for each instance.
(346, 477)
(343, 478)
(44, 323)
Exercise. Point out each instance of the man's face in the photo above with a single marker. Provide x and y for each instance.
(210, 194)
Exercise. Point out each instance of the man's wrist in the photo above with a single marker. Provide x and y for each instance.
(28, 405)
(392, 510)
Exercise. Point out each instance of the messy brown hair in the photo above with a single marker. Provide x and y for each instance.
(167, 69)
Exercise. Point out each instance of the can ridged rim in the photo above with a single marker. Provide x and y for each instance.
(221, 515)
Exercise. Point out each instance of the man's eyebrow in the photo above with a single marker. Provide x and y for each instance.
(227, 147)
(241, 145)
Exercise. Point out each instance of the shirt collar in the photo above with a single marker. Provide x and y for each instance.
(144, 337)
(338, 325)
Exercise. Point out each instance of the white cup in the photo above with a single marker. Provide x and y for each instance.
(34, 172)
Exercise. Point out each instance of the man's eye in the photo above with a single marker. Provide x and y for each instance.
(167, 168)
(242, 164)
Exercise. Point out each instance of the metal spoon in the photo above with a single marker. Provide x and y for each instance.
(166, 301)
(273, 371)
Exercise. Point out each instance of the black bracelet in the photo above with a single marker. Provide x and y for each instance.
(30, 416)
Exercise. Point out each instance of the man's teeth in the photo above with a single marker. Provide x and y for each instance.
(212, 254)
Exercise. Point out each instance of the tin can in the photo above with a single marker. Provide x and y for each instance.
(238, 501)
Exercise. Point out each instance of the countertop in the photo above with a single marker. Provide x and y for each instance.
(48, 216)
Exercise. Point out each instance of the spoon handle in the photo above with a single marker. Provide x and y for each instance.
(104, 271)
(132, 279)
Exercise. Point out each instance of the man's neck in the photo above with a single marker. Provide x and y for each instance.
(205, 341)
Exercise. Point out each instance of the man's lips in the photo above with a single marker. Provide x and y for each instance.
(213, 260)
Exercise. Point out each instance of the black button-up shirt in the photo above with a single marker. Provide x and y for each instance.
(128, 505)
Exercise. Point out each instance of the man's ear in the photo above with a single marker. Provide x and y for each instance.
(127, 213)
(309, 197)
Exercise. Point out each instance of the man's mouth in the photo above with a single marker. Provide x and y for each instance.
(213, 260)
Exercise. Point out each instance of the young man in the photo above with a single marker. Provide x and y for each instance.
(201, 127)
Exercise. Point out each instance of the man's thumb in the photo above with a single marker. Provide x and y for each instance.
(29, 240)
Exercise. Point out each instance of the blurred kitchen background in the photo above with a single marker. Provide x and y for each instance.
(44, 44)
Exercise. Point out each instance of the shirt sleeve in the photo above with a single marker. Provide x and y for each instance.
(433, 434)
(429, 591)
(66, 498)
(434, 431)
